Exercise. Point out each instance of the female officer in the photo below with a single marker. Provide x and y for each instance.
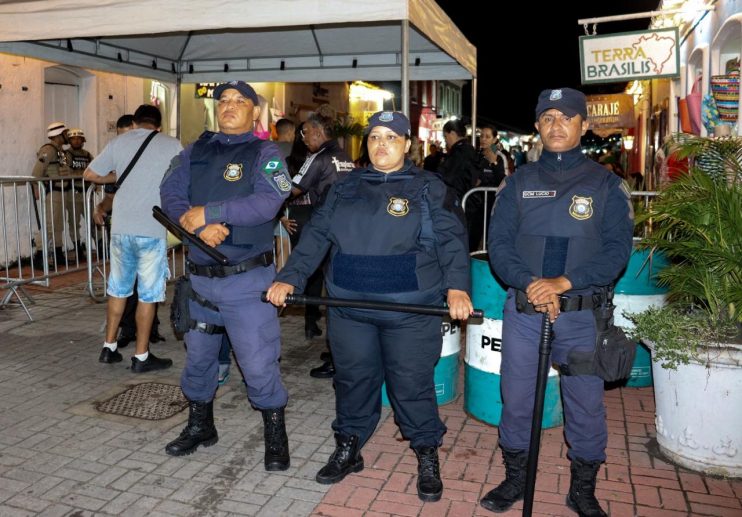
(394, 234)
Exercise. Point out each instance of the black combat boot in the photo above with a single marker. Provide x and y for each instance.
(429, 484)
(200, 430)
(511, 490)
(276, 440)
(345, 459)
(581, 497)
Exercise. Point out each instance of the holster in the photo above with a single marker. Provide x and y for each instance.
(613, 355)
(180, 313)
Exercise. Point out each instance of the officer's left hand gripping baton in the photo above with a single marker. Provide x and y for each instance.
(544, 363)
(433, 310)
(187, 237)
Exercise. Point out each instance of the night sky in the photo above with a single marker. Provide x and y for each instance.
(510, 79)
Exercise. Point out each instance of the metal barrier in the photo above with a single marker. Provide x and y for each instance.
(41, 235)
(487, 191)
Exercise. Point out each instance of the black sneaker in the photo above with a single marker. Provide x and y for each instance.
(150, 364)
(109, 356)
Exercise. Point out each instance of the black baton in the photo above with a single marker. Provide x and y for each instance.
(434, 310)
(183, 235)
(544, 363)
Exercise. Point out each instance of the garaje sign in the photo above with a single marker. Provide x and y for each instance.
(629, 55)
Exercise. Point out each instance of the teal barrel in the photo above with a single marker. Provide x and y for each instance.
(482, 398)
(446, 373)
(636, 291)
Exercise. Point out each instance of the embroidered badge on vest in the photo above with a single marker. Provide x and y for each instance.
(233, 172)
(398, 206)
(581, 207)
(283, 183)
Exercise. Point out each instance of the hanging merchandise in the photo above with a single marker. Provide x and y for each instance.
(684, 115)
(694, 106)
(710, 114)
(725, 89)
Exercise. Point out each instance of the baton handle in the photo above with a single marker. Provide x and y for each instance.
(183, 235)
(434, 310)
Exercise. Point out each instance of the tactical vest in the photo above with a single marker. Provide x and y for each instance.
(59, 166)
(78, 160)
(385, 243)
(560, 217)
(220, 172)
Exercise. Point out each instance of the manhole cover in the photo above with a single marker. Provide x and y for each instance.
(148, 401)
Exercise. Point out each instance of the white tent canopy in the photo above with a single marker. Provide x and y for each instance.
(253, 40)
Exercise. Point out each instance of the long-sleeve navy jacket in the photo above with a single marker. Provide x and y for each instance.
(373, 220)
(255, 209)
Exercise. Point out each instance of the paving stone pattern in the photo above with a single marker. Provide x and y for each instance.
(60, 457)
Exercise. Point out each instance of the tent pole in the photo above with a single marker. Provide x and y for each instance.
(406, 67)
(178, 82)
(474, 112)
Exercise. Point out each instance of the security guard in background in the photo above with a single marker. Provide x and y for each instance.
(227, 188)
(393, 234)
(78, 159)
(51, 161)
(561, 231)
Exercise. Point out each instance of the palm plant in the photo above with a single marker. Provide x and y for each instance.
(697, 223)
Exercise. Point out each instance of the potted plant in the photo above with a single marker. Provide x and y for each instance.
(346, 127)
(695, 339)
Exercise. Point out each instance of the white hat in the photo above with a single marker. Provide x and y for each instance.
(55, 128)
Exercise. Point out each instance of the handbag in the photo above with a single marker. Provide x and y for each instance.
(725, 90)
(694, 106)
(684, 116)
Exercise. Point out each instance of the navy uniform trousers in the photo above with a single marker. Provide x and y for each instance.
(369, 347)
(253, 329)
(582, 396)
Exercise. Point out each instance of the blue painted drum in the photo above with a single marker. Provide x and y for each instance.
(482, 398)
(636, 291)
(446, 373)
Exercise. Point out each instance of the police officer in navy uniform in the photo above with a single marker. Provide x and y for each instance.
(394, 234)
(227, 188)
(561, 231)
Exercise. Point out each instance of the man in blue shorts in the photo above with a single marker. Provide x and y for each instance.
(138, 241)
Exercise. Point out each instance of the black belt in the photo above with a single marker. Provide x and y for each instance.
(218, 271)
(61, 189)
(581, 302)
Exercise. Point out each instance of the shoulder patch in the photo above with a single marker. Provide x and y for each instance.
(273, 165)
(276, 171)
(284, 185)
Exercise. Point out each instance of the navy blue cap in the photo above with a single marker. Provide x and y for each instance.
(393, 120)
(245, 89)
(567, 100)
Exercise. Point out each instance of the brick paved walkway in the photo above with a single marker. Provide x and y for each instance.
(60, 457)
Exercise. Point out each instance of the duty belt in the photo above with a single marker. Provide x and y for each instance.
(582, 302)
(218, 271)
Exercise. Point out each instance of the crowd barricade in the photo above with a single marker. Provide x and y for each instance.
(282, 247)
(42, 232)
(47, 230)
(98, 236)
(488, 193)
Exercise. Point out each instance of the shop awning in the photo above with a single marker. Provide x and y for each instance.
(252, 40)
